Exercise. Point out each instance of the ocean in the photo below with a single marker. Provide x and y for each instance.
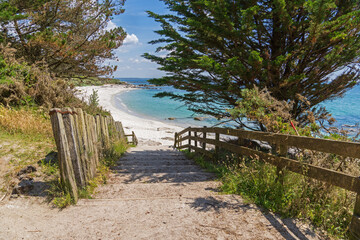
(345, 110)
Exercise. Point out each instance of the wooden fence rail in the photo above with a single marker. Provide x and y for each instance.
(81, 139)
(280, 160)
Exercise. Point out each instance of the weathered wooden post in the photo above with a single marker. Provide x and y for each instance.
(107, 131)
(189, 141)
(82, 142)
(241, 141)
(282, 150)
(98, 132)
(195, 142)
(217, 138)
(179, 140)
(92, 148)
(104, 133)
(95, 139)
(119, 128)
(355, 221)
(136, 140)
(122, 131)
(72, 137)
(175, 139)
(133, 137)
(66, 169)
(204, 137)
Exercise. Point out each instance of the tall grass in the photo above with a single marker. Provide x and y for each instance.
(327, 207)
(25, 121)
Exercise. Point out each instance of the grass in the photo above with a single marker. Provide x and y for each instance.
(112, 155)
(326, 207)
(29, 122)
(26, 138)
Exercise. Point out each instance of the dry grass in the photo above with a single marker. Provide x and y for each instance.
(25, 139)
(24, 121)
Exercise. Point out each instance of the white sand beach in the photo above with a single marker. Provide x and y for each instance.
(148, 131)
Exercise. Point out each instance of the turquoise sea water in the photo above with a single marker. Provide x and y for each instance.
(346, 110)
(142, 103)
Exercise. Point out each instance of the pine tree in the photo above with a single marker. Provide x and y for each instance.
(295, 48)
(70, 36)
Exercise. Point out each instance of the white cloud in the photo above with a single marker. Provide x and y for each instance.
(139, 60)
(110, 26)
(131, 39)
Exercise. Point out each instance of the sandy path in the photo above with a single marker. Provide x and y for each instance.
(153, 193)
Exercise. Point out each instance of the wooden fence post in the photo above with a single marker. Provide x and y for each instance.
(66, 169)
(195, 142)
(119, 128)
(175, 139)
(92, 147)
(122, 131)
(83, 143)
(104, 133)
(93, 150)
(355, 221)
(95, 140)
(204, 137)
(72, 137)
(282, 150)
(136, 140)
(241, 141)
(217, 138)
(189, 141)
(98, 132)
(133, 137)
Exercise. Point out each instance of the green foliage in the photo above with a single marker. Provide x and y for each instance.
(272, 115)
(94, 99)
(327, 207)
(101, 176)
(113, 154)
(217, 48)
(209, 166)
(49, 168)
(32, 86)
(22, 84)
(58, 195)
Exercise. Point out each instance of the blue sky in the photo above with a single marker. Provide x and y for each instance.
(140, 29)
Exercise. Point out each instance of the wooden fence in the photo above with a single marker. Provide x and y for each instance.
(81, 139)
(134, 140)
(280, 160)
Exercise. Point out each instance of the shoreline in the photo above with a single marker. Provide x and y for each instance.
(119, 103)
(148, 131)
